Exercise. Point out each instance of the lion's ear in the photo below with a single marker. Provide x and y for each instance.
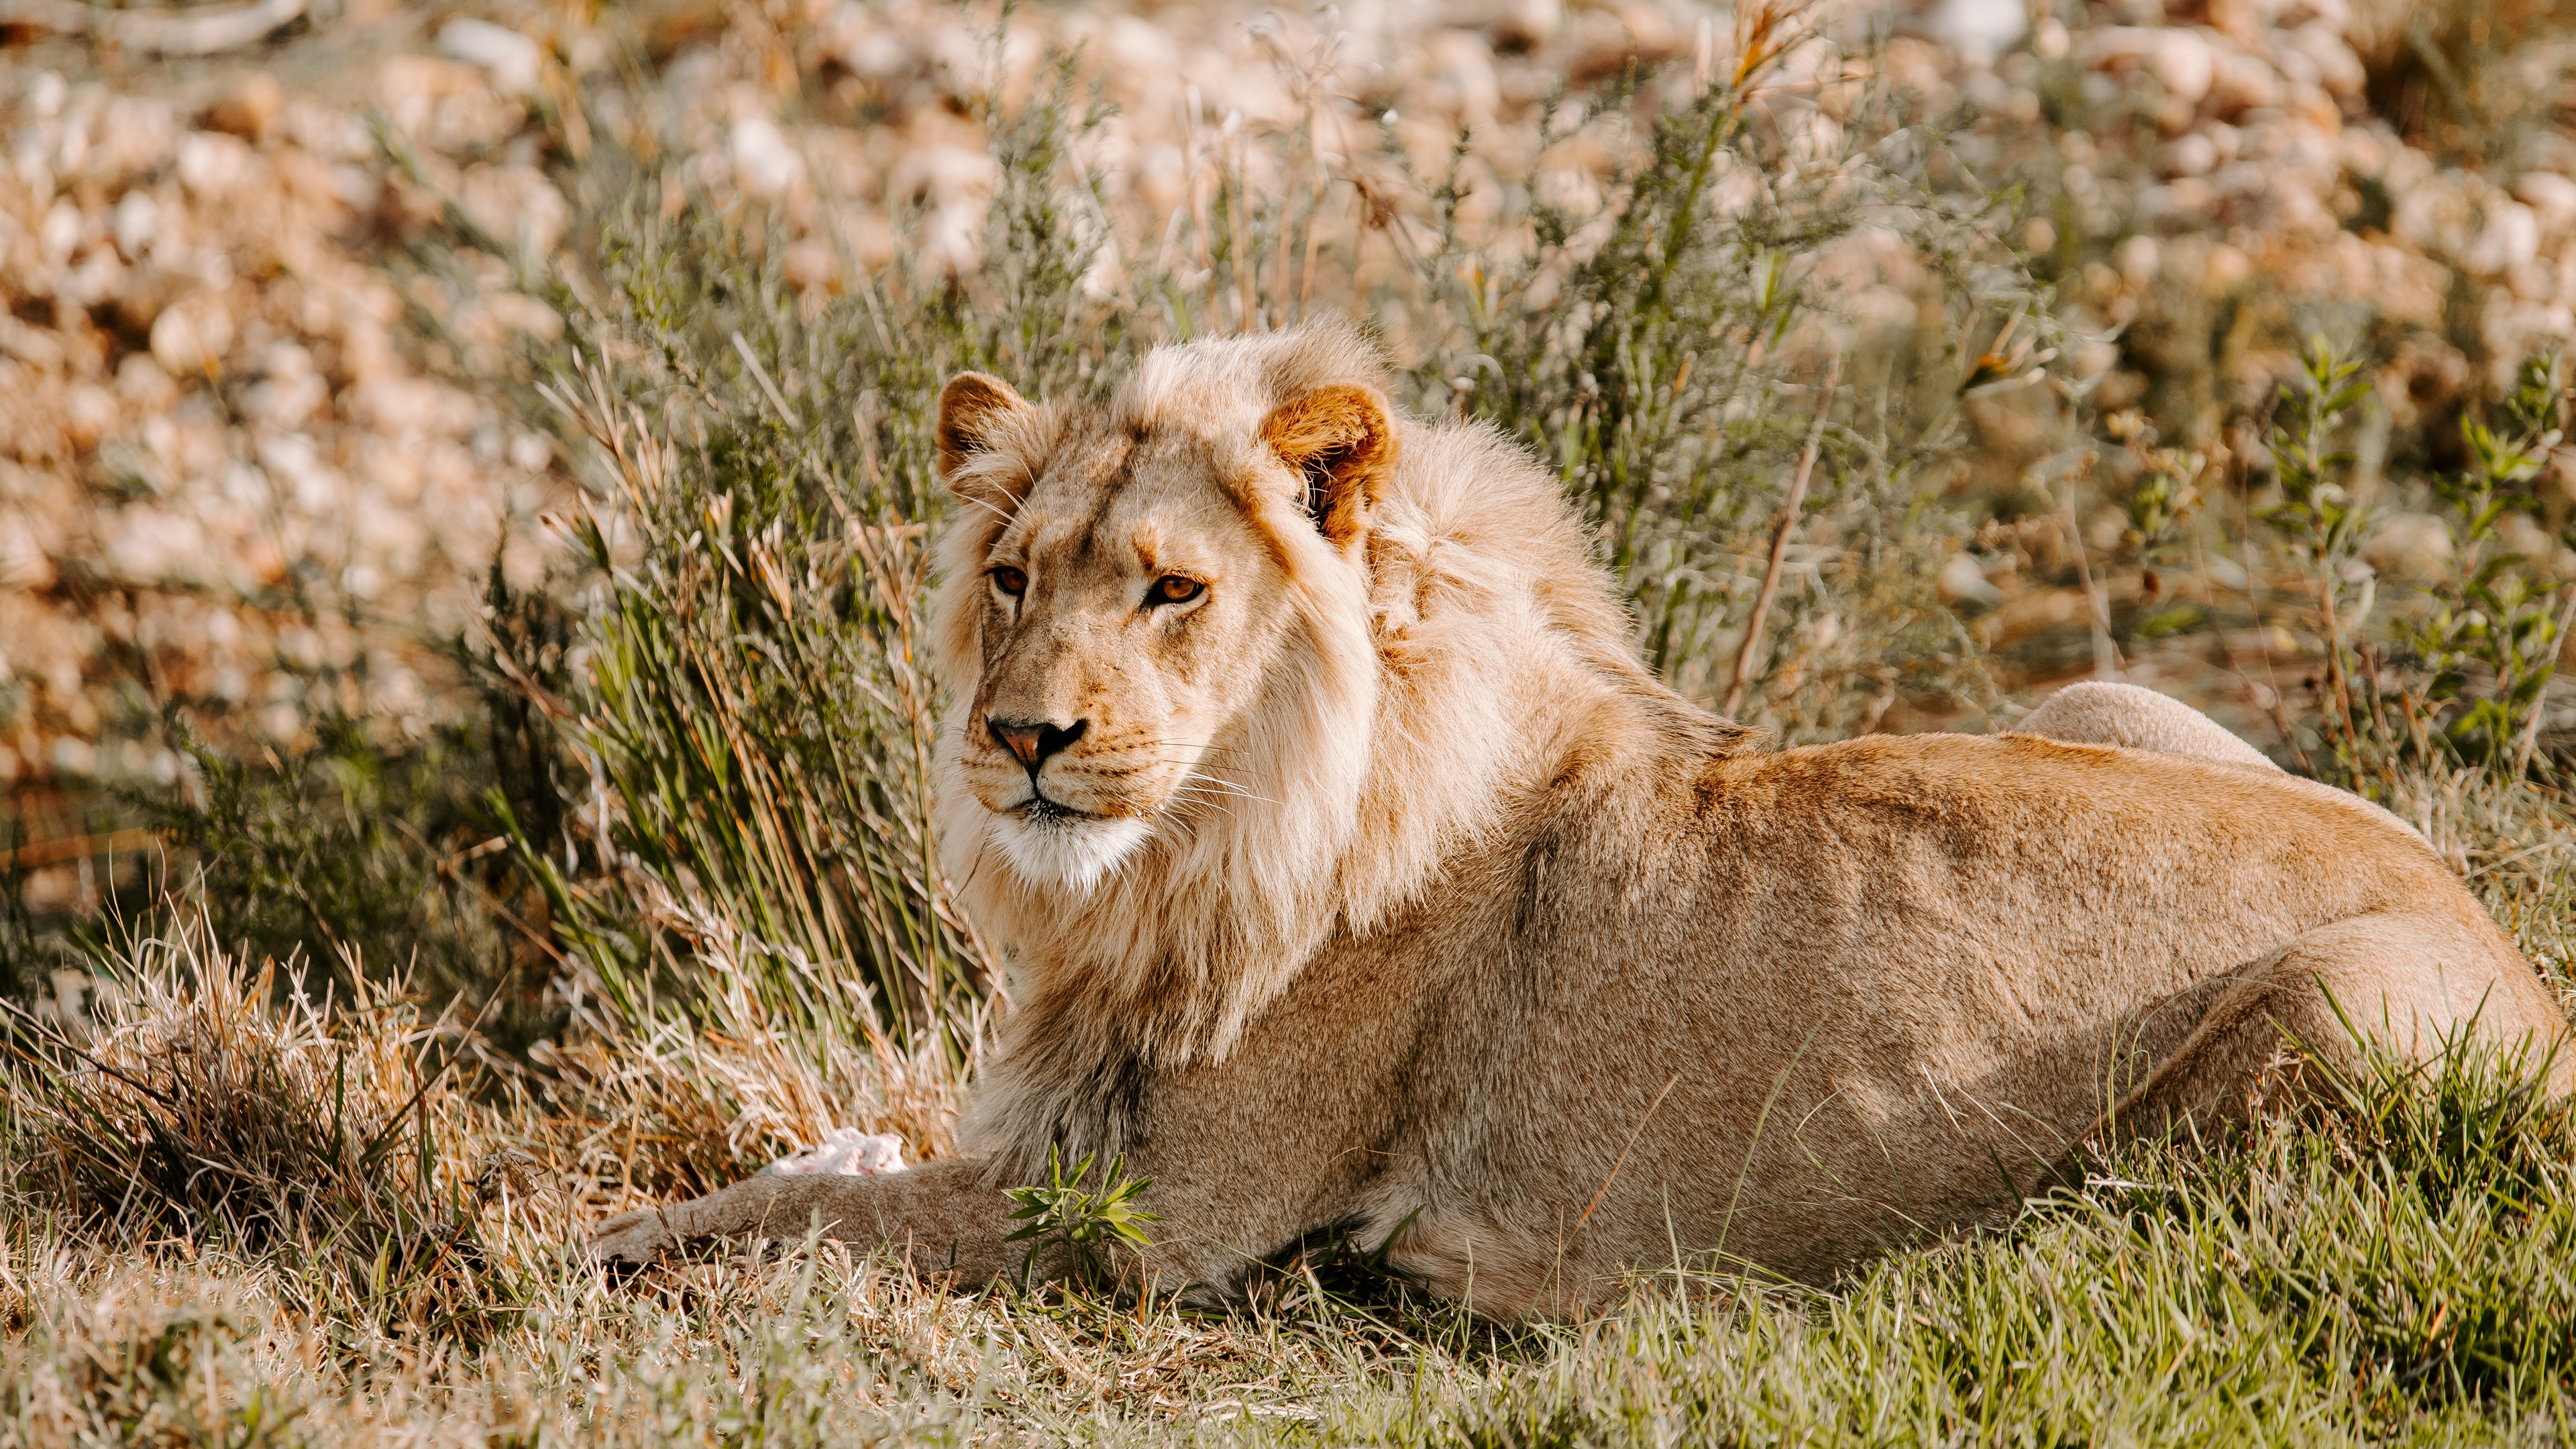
(974, 410)
(1340, 440)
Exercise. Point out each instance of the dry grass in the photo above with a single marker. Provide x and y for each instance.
(239, 1215)
(235, 1211)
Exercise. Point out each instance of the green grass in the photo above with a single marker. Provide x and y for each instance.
(2398, 1265)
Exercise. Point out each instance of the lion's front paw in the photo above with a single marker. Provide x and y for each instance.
(630, 1240)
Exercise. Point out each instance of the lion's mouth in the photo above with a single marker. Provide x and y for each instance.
(1051, 843)
(1039, 810)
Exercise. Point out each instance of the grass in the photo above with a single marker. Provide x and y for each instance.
(312, 1159)
(246, 1217)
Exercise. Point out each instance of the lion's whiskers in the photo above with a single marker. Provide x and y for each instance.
(1224, 787)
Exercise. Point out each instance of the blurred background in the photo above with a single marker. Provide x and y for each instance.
(387, 389)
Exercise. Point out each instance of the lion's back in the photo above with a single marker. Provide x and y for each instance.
(1904, 905)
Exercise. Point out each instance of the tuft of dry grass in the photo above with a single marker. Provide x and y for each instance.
(196, 1099)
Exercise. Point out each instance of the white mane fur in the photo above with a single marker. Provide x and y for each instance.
(1430, 670)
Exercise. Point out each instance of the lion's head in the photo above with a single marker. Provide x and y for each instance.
(1128, 588)
(1232, 656)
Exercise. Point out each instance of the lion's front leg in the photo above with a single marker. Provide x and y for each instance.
(940, 1215)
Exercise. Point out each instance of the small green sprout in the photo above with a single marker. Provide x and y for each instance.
(1084, 1223)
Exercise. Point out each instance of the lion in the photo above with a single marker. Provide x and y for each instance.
(1354, 877)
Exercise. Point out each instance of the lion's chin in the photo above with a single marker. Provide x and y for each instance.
(1066, 852)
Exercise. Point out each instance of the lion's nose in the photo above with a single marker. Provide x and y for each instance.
(1032, 742)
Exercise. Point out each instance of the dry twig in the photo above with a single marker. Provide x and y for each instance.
(1789, 507)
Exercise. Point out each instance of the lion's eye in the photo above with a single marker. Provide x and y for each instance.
(1173, 589)
(1011, 581)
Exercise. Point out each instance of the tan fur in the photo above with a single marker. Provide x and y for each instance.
(1380, 890)
(2102, 713)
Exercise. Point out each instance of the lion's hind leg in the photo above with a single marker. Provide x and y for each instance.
(2099, 713)
(2411, 984)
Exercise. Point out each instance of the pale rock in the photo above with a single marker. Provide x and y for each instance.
(314, 486)
(446, 105)
(511, 59)
(2551, 197)
(31, 345)
(2137, 260)
(1137, 46)
(874, 53)
(1982, 29)
(97, 278)
(2508, 238)
(135, 137)
(331, 133)
(525, 315)
(154, 545)
(2247, 178)
(812, 265)
(2431, 219)
(88, 411)
(1462, 76)
(290, 393)
(357, 188)
(952, 237)
(46, 94)
(249, 109)
(944, 173)
(2241, 82)
(192, 336)
(531, 452)
(1962, 582)
(2362, 150)
(2409, 548)
(146, 388)
(1882, 307)
(62, 230)
(137, 223)
(211, 164)
(764, 163)
(245, 487)
(410, 405)
(2184, 63)
(2337, 68)
(516, 205)
(24, 561)
(2190, 154)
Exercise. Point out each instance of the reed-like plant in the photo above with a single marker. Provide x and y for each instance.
(1671, 348)
(2489, 640)
(755, 861)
